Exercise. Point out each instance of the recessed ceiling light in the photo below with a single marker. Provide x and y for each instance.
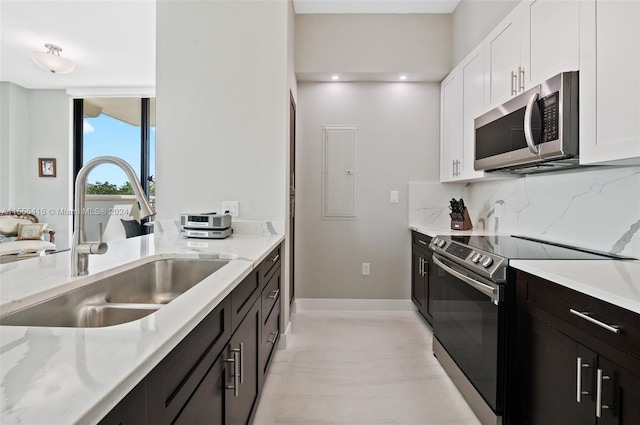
(335, 77)
(403, 77)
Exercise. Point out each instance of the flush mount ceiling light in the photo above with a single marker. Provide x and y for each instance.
(52, 61)
(403, 77)
(335, 77)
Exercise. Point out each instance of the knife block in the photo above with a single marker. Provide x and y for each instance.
(462, 225)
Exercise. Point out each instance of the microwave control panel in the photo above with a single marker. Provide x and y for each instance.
(550, 117)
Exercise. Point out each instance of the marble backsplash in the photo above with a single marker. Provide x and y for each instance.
(596, 208)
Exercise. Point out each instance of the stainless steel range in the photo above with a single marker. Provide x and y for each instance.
(474, 314)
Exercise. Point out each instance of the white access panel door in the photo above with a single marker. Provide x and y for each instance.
(339, 172)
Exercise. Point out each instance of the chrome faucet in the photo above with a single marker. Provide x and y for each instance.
(81, 249)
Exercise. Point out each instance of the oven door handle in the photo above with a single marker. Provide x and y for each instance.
(490, 291)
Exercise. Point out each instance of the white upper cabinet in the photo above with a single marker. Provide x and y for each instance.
(610, 82)
(461, 101)
(450, 126)
(472, 107)
(502, 49)
(536, 41)
(551, 39)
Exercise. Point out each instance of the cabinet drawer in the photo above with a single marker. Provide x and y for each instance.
(269, 264)
(538, 295)
(270, 295)
(421, 240)
(175, 379)
(270, 337)
(243, 297)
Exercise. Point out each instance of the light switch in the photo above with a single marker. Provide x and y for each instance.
(394, 196)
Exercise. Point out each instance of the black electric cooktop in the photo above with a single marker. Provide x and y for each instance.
(523, 248)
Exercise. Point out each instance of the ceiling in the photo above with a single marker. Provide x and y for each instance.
(112, 42)
(374, 6)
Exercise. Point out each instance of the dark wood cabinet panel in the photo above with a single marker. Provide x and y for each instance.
(271, 295)
(244, 344)
(244, 296)
(132, 410)
(575, 371)
(174, 380)
(269, 264)
(421, 269)
(206, 405)
(552, 379)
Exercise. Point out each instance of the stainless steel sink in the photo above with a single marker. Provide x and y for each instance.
(121, 298)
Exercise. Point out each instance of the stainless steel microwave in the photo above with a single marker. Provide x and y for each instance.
(536, 131)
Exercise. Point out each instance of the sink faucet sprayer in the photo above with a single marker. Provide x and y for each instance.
(81, 248)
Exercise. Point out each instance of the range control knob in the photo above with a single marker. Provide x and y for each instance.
(475, 257)
(487, 262)
(441, 243)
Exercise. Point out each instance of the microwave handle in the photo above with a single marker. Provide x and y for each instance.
(528, 134)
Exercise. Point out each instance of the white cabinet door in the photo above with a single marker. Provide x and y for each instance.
(472, 106)
(550, 40)
(609, 82)
(450, 126)
(502, 50)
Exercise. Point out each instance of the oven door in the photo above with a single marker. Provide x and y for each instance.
(468, 322)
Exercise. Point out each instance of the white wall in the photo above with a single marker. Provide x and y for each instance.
(415, 44)
(222, 107)
(397, 143)
(473, 20)
(37, 124)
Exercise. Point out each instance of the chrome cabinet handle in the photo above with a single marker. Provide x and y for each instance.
(585, 316)
(421, 242)
(579, 392)
(420, 267)
(453, 168)
(274, 335)
(599, 406)
(490, 291)
(514, 83)
(528, 133)
(521, 78)
(242, 363)
(234, 360)
(274, 259)
(274, 294)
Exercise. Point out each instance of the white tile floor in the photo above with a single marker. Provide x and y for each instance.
(360, 367)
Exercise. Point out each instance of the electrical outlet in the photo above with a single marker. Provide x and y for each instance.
(366, 269)
(394, 196)
(232, 207)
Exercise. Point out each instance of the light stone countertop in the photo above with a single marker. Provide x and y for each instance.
(77, 375)
(614, 281)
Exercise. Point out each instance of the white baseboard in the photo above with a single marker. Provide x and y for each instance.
(302, 304)
(284, 337)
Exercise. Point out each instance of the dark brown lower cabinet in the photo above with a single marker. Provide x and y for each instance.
(573, 370)
(422, 267)
(214, 376)
(206, 404)
(242, 385)
(132, 410)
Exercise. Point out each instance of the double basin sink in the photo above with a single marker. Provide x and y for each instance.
(121, 298)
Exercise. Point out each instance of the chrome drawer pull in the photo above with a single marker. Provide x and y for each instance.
(274, 259)
(585, 316)
(242, 363)
(274, 294)
(420, 241)
(274, 336)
